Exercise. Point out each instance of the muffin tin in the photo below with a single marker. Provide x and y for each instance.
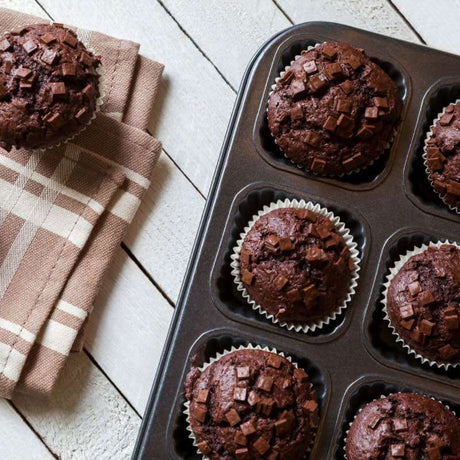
(389, 207)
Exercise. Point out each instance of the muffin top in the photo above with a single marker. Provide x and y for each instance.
(443, 155)
(296, 265)
(424, 303)
(49, 86)
(252, 404)
(404, 426)
(334, 111)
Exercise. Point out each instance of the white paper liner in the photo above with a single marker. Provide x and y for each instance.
(99, 102)
(354, 171)
(428, 136)
(384, 397)
(393, 272)
(341, 229)
(186, 411)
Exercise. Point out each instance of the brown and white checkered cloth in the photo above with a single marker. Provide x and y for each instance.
(63, 213)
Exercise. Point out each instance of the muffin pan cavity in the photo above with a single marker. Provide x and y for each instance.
(247, 204)
(269, 150)
(379, 338)
(418, 185)
(366, 391)
(217, 342)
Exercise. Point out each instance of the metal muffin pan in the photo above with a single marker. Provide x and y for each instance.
(389, 207)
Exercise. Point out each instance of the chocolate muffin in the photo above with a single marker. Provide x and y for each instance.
(404, 426)
(48, 86)
(296, 265)
(423, 303)
(443, 156)
(252, 404)
(334, 111)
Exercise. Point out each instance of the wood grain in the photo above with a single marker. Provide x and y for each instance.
(17, 440)
(436, 22)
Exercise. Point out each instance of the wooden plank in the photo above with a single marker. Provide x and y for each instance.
(435, 22)
(18, 441)
(127, 330)
(85, 417)
(374, 15)
(191, 124)
(163, 231)
(233, 32)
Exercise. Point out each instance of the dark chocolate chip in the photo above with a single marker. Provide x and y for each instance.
(242, 372)
(200, 412)
(316, 82)
(400, 424)
(48, 38)
(406, 311)
(371, 113)
(346, 86)
(240, 438)
(23, 73)
(49, 57)
(330, 124)
(265, 383)
(202, 396)
(279, 282)
(261, 445)
(274, 361)
(70, 39)
(329, 51)
(69, 70)
(30, 46)
(233, 417)
(240, 394)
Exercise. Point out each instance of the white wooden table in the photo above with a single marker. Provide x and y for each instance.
(97, 408)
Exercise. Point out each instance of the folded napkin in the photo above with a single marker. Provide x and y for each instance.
(63, 213)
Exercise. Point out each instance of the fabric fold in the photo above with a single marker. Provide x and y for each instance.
(63, 214)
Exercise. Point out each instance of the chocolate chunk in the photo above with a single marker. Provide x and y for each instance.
(30, 46)
(371, 113)
(425, 298)
(313, 139)
(239, 394)
(82, 115)
(69, 70)
(365, 132)
(346, 86)
(5, 45)
(245, 257)
(200, 412)
(314, 253)
(329, 51)
(240, 438)
(316, 82)
(287, 77)
(204, 447)
(280, 281)
(343, 105)
(447, 351)
(354, 62)
(294, 295)
(70, 39)
(426, 327)
(265, 406)
(58, 90)
(261, 445)
(274, 361)
(273, 455)
(281, 426)
(286, 383)
(54, 119)
(49, 57)
(453, 188)
(272, 240)
(406, 311)
(23, 73)
(233, 417)
(300, 375)
(318, 165)
(297, 88)
(400, 424)
(88, 91)
(310, 67)
(253, 398)
(452, 322)
(409, 324)
(333, 71)
(247, 277)
(414, 288)
(243, 372)
(310, 405)
(86, 59)
(397, 450)
(202, 396)
(416, 335)
(374, 422)
(446, 119)
(242, 454)
(296, 113)
(381, 102)
(285, 244)
(265, 383)
(48, 38)
(330, 124)
(345, 122)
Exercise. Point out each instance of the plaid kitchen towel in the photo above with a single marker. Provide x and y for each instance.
(63, 213)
